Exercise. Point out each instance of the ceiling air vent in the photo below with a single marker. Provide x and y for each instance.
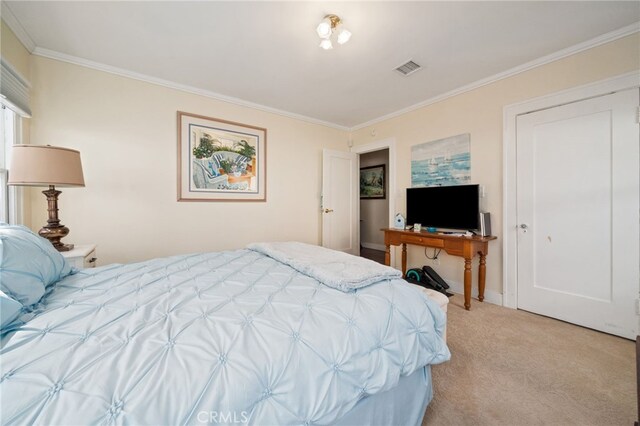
(408, 68)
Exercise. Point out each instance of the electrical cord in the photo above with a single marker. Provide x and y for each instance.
(435, 254)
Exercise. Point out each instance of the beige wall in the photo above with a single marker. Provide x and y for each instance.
(374, 214)
(13, 51)
(126, 132)
(479, 112)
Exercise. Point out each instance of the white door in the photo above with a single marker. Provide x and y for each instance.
(340, 201)
(578, 186)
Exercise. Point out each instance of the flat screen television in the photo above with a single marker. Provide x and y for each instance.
(450, 207)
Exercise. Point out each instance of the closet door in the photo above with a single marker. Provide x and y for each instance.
(578, 212)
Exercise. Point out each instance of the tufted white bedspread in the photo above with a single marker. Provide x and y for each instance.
(333, 268)
(234, 336)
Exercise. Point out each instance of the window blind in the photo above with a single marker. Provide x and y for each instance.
(14, 90)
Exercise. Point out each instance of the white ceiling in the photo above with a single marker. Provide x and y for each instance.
(267, 52)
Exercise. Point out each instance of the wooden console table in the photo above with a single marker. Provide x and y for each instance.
(465, 247)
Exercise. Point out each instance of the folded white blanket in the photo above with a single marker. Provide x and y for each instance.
(333, 268)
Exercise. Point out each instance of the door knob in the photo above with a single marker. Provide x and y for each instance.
(328, 210)
(524, 227)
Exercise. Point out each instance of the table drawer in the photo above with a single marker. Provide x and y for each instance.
(90, 260)
(421, 240)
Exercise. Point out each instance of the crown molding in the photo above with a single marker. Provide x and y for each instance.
(52, 54)
(12, 22)
(9, 18)
(572, 50)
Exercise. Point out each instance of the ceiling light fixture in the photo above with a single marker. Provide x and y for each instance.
(328, 27)
(326, 44)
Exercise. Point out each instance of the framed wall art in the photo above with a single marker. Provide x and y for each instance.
(220, 160)
(373, 182)
(442, 162)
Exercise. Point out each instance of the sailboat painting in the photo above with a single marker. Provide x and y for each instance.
(442, 162)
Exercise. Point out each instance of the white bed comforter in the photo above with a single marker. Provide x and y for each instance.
(236, 336)
(333, 268)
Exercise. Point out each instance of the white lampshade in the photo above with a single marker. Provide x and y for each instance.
(326, 44)
(324, 29)
(38, 165)
(344, 35)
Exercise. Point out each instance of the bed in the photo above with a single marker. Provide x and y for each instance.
(273, 334)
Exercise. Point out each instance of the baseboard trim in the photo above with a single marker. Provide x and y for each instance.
(374, 246)
(490, 296)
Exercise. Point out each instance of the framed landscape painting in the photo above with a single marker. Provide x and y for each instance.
(442, 162)
(220, 160)
(372, 182)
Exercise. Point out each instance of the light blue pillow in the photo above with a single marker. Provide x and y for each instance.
(9, 310)
(28, 264)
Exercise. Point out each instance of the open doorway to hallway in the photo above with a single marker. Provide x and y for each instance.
(374, 207)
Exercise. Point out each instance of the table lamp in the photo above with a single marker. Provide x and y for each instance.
(38, 165)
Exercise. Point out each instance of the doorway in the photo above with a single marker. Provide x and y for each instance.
(374, 207)
(373, 239)
(340, 200)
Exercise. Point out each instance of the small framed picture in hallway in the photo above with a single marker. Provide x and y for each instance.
(373, 182)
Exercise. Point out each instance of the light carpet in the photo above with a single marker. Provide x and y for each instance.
(511, 367)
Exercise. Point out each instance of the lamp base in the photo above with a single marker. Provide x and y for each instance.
(53, 231)
(64, 247)
(54, 234)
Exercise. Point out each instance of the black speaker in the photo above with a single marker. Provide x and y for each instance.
(485, 224)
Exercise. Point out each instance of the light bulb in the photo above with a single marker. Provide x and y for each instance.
(344, 36)
(326, 44)
(324, 29)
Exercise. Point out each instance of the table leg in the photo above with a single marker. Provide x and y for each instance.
(387, 256)
(404, 259)
(467, 283)
(482, 273)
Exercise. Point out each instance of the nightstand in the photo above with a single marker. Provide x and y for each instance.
(81, 256)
